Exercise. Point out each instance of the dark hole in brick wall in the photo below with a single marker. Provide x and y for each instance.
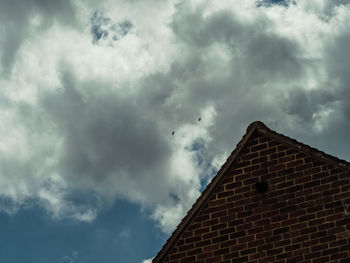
(262, 187)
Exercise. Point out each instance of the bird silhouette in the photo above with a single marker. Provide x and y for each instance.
(173, 133)
(199, 119)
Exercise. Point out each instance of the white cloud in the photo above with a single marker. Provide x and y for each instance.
(70, 259)
(84, 122)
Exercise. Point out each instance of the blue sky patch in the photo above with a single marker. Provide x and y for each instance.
(120, 234)
(103, 28)
(268, 3)
(204, 160)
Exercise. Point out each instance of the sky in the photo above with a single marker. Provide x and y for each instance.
(91, 92)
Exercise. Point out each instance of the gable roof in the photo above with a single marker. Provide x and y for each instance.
(254, 127)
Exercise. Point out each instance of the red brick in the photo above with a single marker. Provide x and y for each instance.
(300, 218)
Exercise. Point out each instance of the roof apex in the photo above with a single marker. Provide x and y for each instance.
(251, 129)
(257, 125)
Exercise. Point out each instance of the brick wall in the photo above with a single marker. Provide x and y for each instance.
(300, 218)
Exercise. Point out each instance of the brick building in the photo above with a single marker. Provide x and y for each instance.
(274, 200)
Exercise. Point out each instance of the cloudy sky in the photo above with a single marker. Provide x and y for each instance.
(91, 92)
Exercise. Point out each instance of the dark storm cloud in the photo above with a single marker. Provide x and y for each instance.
(271, 56)
(105, 135)
(305, 104)
(254, 57)
(15, 19)
(338, 64)
(335, 90)
(261, 55)
(332, 95)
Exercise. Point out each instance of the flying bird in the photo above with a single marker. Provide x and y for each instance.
(199, 119)
(173, 133)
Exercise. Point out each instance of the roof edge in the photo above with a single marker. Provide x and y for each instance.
(261, 128)
(209, 189)
(257, 125)
(316, 153)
